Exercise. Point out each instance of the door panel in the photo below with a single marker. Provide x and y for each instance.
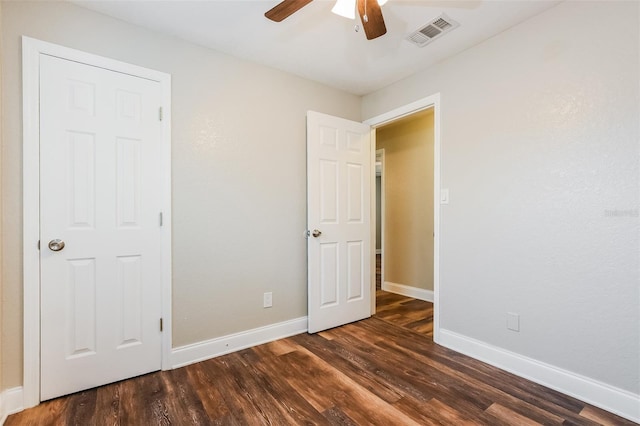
(130, 289)
(328, 274)
(328, 192)
(128, 182)
(100, 193)
(338, 192)
(81, 308)
(355, 260)
(355, 197)
(82, 180)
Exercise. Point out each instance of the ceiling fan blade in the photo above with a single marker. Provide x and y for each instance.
(373, 24)
(285, 8)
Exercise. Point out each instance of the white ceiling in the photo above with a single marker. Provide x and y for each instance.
(319, 45)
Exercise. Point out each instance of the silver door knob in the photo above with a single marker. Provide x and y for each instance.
(56, 245)
(316, 233)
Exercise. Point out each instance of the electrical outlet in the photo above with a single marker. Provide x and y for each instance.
(513, 321)
(267, 301)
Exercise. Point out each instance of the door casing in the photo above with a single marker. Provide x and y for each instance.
(380, 154)
(32, 49)
(432, 101)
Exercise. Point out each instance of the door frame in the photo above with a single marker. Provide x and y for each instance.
(31, 51)
(432, 101)
(380, 154)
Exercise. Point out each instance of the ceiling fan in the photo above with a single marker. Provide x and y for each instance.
(369, 11)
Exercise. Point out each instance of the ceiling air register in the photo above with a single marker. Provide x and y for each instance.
(433, 30)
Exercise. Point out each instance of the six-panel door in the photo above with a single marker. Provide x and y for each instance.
(338, 200)
(100, 194)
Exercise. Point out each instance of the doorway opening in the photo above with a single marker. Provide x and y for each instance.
(405, 192)
(406, 232)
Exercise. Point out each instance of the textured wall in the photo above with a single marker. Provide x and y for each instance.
(238, 158)
(540, 151)
(378, 212)
(408, 239)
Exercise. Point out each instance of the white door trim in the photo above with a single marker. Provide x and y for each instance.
(31, 51)
(395, 114)
(380, 154)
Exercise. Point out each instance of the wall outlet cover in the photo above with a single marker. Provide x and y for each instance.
(513, 321)
(267, 300)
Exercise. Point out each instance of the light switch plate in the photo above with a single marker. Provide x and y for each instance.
(444, 196)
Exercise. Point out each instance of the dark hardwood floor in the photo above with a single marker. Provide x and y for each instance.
(405, 312)
(385, 370)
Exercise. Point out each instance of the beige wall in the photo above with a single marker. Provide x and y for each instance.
(540, 132)
(1, 212)
(378, 212)
(239, 173)
(408, 208)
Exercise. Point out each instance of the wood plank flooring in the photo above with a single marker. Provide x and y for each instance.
(385, 370)
(406, 312)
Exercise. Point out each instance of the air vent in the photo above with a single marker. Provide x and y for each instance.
(432, 31)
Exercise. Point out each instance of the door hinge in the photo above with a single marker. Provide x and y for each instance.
(160, 218)
(160, 114)
(161, 327)
(38, 244)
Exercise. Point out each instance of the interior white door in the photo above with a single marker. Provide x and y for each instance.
(100, 195)
(338, 218)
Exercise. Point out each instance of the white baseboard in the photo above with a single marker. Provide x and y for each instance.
(196, 352)
(405, 290)
(609, 398)
(10, 403)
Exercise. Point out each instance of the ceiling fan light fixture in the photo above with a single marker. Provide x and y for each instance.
(345, 8)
